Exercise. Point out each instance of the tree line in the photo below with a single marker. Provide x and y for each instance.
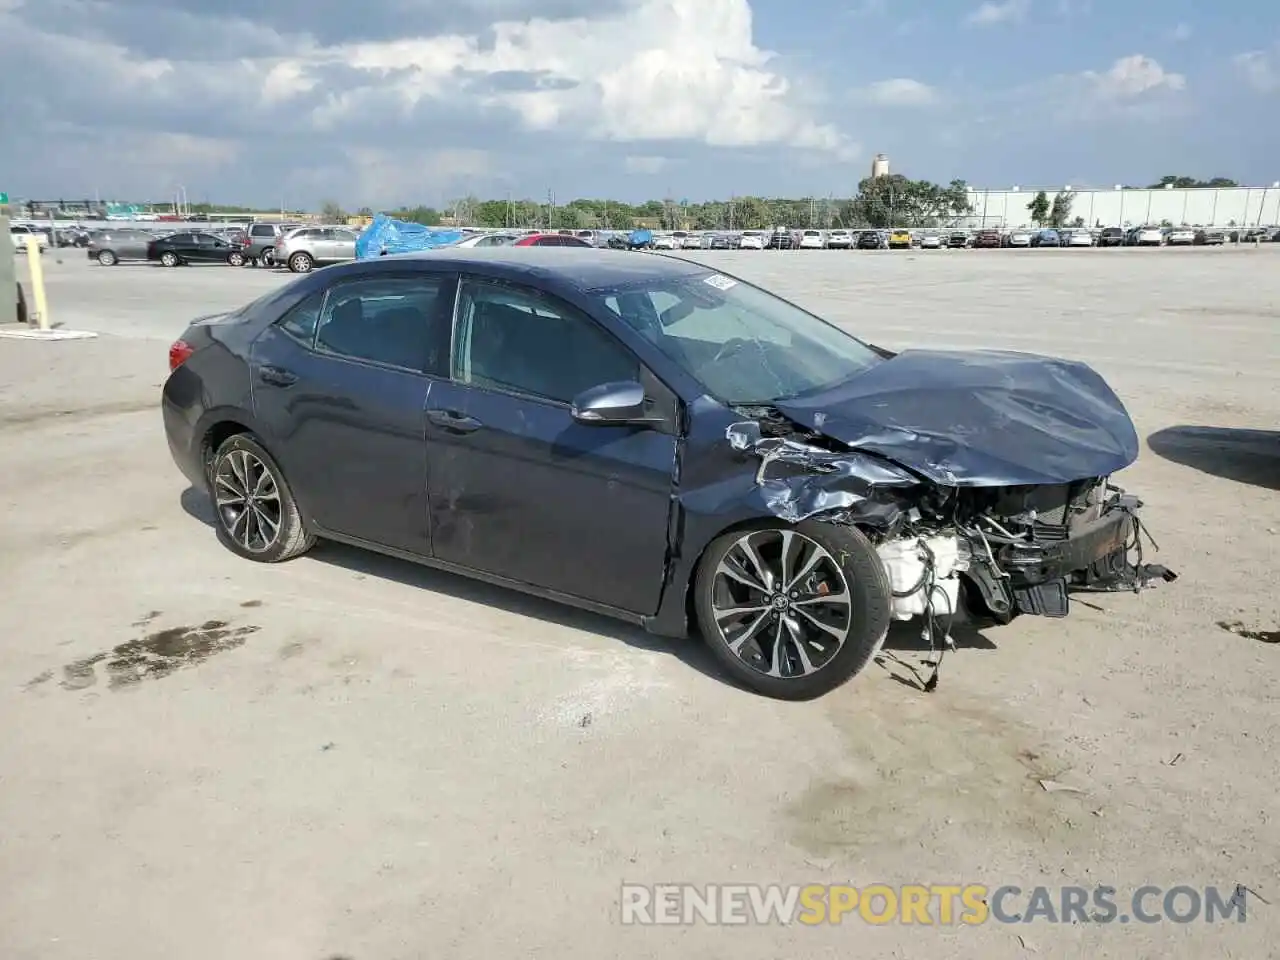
(893, 200)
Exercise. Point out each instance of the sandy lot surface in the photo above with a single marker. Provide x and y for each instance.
(349, 756)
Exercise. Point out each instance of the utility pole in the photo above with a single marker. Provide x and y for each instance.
(551, 209)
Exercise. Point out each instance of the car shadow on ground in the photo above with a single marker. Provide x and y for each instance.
(689, 651)
(1246, 456)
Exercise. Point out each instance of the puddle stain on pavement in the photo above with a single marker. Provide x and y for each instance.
(156, 655)
(922, 768)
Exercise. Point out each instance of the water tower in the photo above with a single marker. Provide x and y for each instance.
(880, 165)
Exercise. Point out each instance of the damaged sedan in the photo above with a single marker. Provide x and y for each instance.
(656, 441)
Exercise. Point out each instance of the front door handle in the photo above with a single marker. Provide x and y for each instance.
(453, 421)
(277, 376)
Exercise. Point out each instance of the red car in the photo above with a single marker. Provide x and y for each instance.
(550, 240)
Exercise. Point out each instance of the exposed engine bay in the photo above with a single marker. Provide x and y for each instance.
(979, 553)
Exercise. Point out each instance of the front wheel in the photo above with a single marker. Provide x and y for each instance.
(301, 263)
(106, 258)
(257, 516)
(793, 611)
(169, 259)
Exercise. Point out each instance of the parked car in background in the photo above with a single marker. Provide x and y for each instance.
(931, 241)
(1018, 238)
(1181, 237)
(958, 239)
(872, 240)
(493, 412)
(489, 240)
(305, 248)
(550, 240)
(1077, 237)
(812, 240)
(21, 235)
(259, 243)
(181, 249)
(751, 240)
(900, 240)
(1046, 238)
(665, 241)
(109, 247)
(839, 240)
(1147, 236)
(723, 241)
(987, 239)
(1111, 237)
(780, 239)
(1210, 238)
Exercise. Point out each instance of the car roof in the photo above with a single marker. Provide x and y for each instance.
(586, 268)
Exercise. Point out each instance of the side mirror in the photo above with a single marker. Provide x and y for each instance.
(612, 404)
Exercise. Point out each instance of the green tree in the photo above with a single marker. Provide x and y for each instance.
(331, 212)
(1039, 208)
(1186, 183)
(896, 201)
(426, 216)
(1060, 212)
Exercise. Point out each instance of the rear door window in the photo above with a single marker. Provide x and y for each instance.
(397, 321)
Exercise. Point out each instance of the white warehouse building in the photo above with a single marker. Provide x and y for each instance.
(1116, 207)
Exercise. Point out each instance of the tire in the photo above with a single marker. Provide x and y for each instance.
(267, 258)
(301, 262)
(169, 258)
(239, 456)
(236, 259)
(107, 258)
(22, 305)
(847, 561)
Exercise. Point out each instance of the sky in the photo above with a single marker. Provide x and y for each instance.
(403, 102)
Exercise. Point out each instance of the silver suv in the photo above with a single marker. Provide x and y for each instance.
(259, 244)
(308, 247)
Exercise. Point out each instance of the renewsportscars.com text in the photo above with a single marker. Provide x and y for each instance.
(925, 904)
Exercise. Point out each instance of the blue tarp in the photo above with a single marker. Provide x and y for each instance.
(640, 238)
(386, 235)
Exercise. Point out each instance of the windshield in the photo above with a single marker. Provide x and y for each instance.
(745, 346)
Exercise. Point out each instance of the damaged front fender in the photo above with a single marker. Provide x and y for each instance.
(796, 480)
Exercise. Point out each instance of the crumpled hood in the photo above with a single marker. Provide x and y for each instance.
(978, 418)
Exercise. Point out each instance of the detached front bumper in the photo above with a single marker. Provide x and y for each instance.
(1037, 576)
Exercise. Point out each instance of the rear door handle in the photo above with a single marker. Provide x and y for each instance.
(453, 421)
(277, 376)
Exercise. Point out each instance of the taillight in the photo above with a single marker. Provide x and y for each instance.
(179, 354)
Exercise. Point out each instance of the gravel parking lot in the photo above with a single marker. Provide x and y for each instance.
(350, 756)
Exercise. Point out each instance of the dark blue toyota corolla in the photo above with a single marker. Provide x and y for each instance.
(654, 440)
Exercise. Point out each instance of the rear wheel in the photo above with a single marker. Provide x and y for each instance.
(169, 258)
(301, 262)
(256, 514)
(107, 258)
(235, 259)
(267, 258)
(793, 611)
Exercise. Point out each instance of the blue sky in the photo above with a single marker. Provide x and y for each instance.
(383, 102)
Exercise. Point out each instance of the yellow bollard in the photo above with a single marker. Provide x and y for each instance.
(36, 266)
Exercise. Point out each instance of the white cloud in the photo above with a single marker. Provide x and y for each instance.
(688, 70)
(1258, 71)
(902, 92)
(645, 166)
(1134, 76)
(999, 11)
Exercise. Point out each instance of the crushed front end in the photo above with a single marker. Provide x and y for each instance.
(983, 553)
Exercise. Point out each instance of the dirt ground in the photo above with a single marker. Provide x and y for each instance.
(350, 756)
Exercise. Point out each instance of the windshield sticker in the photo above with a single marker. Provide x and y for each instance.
(720, 282)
